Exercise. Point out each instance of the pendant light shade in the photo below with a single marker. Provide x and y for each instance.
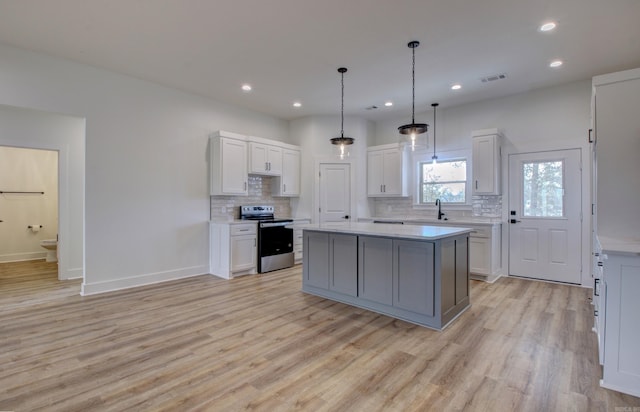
(342, 141)
(413, 129)
(434, 158)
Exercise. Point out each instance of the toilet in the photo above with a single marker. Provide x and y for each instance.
(52, 249)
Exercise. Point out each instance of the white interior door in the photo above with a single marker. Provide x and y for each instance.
(335, 192)
(545, 212)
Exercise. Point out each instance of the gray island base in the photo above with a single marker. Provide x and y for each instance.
(419, 274)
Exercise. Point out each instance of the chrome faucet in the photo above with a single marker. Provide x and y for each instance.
(439, 204)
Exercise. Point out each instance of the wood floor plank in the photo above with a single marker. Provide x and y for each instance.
(259, 343)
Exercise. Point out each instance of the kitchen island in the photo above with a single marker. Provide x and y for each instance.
(419, 274)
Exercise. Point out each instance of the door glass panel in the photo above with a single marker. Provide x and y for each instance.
(543, 189)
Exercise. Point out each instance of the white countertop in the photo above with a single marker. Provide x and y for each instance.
(455, 221)
(231, 221)
(623, 246)
(396, 231)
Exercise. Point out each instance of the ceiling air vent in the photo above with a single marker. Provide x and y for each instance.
(493, 77)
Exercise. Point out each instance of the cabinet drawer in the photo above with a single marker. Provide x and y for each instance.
(244, 229)
(481, 232)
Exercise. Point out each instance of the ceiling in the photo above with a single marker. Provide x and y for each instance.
(290, 50)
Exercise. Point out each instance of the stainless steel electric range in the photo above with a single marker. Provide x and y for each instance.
(275, 238)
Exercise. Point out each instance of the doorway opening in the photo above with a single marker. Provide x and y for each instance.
(65, 136)
(29, 205)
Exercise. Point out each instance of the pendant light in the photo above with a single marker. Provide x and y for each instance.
(341, 142)
(413, 129)
(434, 158)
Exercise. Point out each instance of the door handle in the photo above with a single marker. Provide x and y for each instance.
(514, 221)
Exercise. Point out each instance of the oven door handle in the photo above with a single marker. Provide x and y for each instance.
(278, 224)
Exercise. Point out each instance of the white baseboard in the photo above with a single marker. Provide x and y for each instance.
(141, 280)
(486, 278)
(70, 274)
(19, 257)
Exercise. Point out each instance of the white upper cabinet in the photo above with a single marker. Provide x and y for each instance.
(234, 156)
(289, 182)
(228, 164)
(486, 158)
(265, 159)
(386, 171)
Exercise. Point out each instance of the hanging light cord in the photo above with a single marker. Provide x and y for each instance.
(434, 130)
(342, 106)
(434, 105)
(413, 86)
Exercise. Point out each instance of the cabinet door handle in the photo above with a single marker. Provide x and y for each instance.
(380, 188)
(590, 136)
(476, 184)
(596, 283)
(245, 186)
(284, 188)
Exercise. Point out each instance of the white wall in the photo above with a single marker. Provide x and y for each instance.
(313, 133)
(27, 170)
(64, 134)
(147, 202)
(539, 117)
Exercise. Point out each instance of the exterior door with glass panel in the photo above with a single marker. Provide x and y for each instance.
(335, 192)
(545, 215)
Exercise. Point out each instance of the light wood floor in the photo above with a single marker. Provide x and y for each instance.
(258, 343)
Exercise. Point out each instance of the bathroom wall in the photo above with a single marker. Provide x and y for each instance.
(34, 171)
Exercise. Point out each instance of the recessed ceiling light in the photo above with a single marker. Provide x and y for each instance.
(555, 63)
(456, 86)
(388, 104)
(548, 26)
(297, 104)
(246, 87)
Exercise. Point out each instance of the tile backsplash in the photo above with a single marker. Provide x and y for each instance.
(228, 207)
(481, 206)
(487, 206)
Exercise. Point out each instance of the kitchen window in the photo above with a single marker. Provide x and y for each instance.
(445, 180)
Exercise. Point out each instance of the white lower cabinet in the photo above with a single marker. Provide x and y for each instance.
(485, 252)
(297, 239)
(620, 325)
(234, 249)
